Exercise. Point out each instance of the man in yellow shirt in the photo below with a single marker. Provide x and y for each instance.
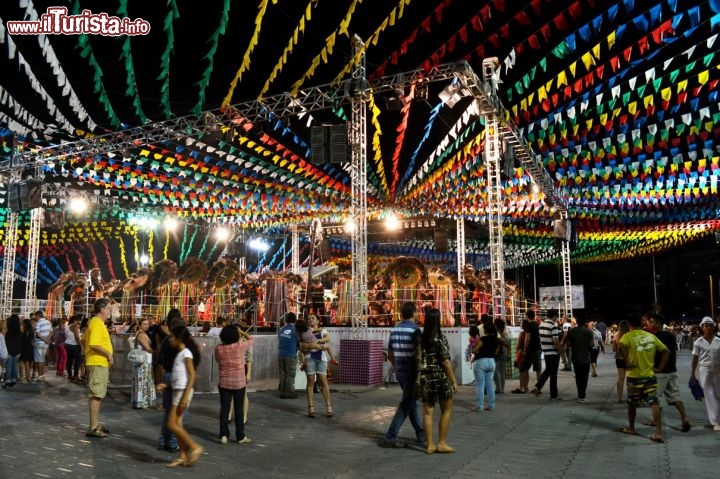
(638, 349)
(98, 360)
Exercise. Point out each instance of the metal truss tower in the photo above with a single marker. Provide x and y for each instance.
(295, 245)
(36, 216)
(493, 187)
(8, 272)
(460, 248)
(358, 206)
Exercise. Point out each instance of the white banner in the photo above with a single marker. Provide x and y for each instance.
(553, 297)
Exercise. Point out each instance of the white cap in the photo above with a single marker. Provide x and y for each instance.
(707, 320)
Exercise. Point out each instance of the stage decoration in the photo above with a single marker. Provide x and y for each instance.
(101, 288)
(132, 292)
(173, 14)
(276, 290)
(399, 139)
(15, 56)
(98, 87)
(162, 284)
(443, 287)
(191, 275)
(220, 278)
(395, 14)
(210, 56)
(54, 307)
(126, 55)
(405, 275)
(297, 33)
(245, 65)
(123, 258)
(58, 71)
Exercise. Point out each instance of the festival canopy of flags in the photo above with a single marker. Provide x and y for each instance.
(618, 98)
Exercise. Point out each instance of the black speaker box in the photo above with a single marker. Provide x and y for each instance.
(24, 196)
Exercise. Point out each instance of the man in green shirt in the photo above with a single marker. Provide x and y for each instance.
(638, 349)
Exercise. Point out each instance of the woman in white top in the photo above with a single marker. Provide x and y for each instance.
(73, 347)
(706, 361)
(183, 380)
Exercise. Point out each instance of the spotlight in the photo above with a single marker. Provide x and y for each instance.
(453, 93)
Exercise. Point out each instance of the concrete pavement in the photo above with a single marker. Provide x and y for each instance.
(42, 434)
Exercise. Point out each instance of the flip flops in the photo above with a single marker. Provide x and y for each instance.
(626, 430)
(659, 440)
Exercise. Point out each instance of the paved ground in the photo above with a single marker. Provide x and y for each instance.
(42, 430)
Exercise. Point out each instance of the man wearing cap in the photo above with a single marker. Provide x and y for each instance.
(706, 369)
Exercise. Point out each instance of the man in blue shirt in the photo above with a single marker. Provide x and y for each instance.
(401, 352)
(287, 357)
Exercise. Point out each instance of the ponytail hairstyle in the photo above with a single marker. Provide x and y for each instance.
(182, 334)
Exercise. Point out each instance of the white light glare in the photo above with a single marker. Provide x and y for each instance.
(258, 245)
(223, 234)
(144, 260)
(392, 222)
(349, 226)
(171, 224)
(78, 205)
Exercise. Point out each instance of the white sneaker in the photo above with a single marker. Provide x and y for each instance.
(245, 440)
(223, 440)
(716, 428)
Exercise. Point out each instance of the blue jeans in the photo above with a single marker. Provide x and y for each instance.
(167, 438)
(484, 370)
(11, 368)
(407, 407)
(237, 397)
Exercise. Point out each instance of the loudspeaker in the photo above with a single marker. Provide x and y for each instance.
(235, 250)
(328, 144)
(441, 241)
(338, 144)
(24, 196)
(319, 140)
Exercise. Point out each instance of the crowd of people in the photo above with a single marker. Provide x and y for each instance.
(645, 355)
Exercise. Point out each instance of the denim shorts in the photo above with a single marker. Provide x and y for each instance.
(316, 366)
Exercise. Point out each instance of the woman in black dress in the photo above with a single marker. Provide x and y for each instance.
(27, 346)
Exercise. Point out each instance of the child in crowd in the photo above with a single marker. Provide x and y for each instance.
(183, 380)
(307, 336)
(474, 332)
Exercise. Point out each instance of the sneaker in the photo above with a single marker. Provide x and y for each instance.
(223, 440)
(536, 392)
(556, 398)
(97, 432)
(582, 400)
(245, 440)
(716, 428)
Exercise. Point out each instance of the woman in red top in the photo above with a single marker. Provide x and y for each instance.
(230, 356)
